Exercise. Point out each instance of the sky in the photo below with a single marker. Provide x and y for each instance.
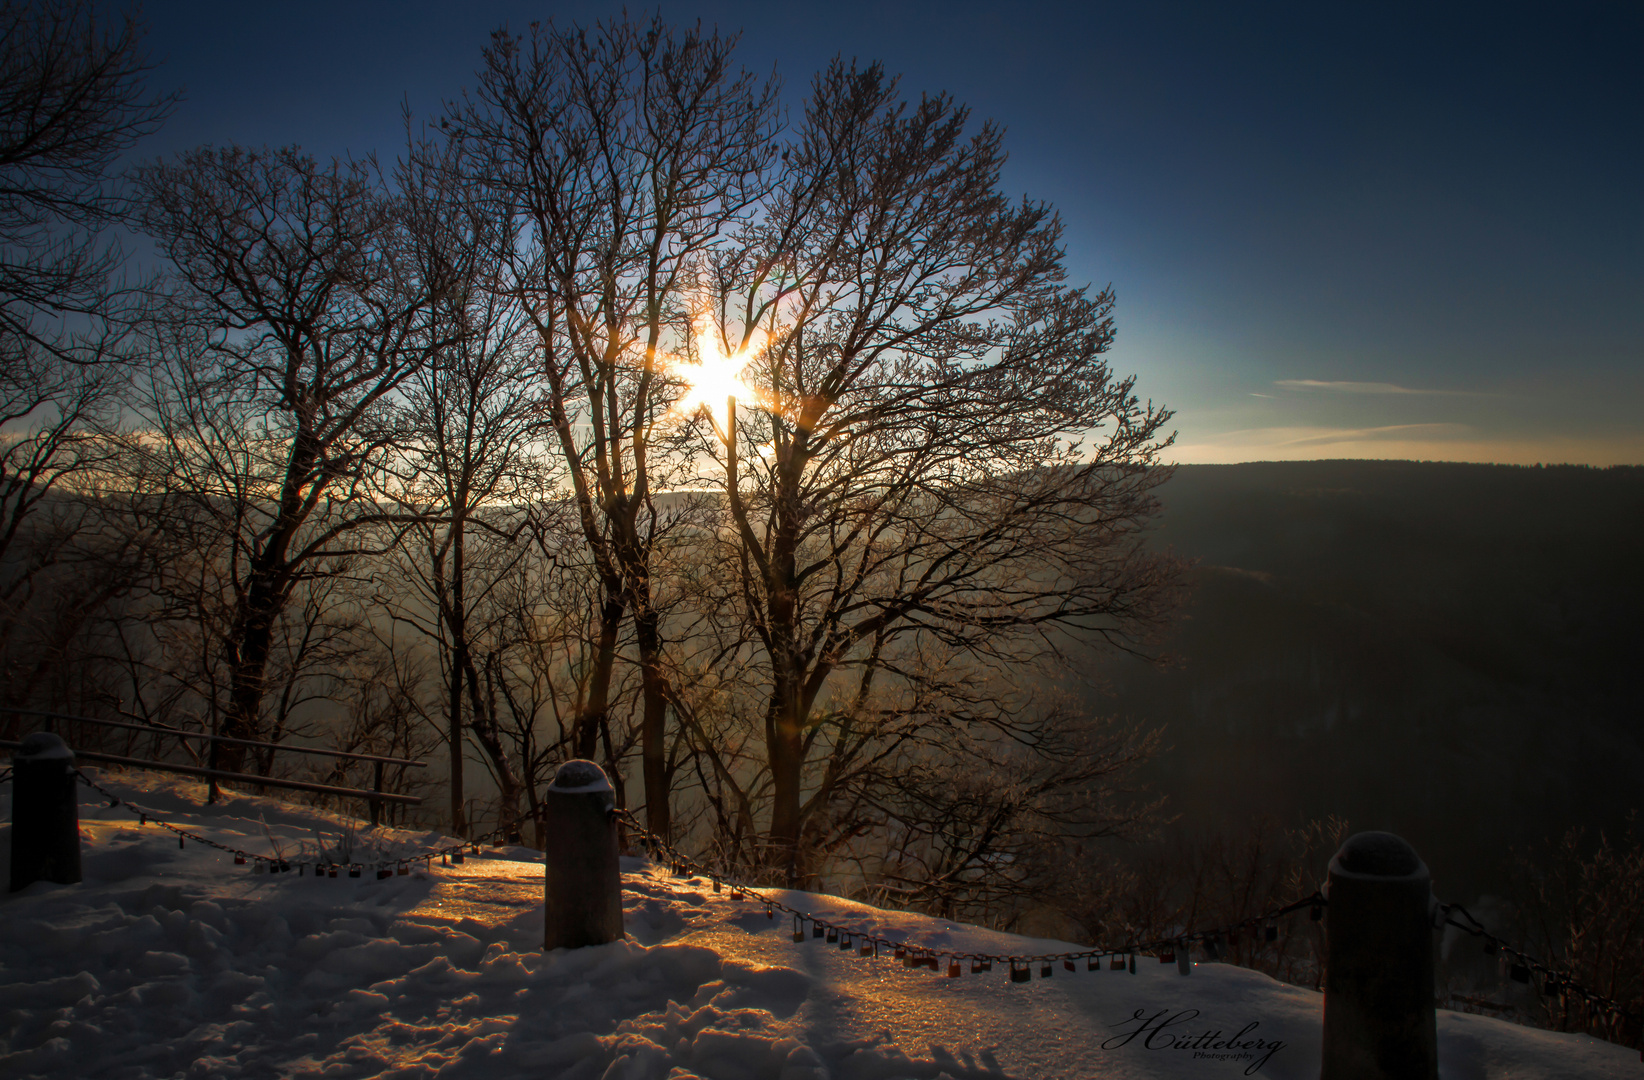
(1334, 230)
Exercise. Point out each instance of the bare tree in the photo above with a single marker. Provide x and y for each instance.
(939, 457)
(540, 641)
(625, 152)
(1180, 881)
(1580, 906)
(380, 692)
(50, 414)
(969, 806)
(72, 99)
(472, 461)
(290, 315)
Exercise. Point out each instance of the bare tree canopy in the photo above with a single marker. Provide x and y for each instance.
(73, 98)
(626, 153)
(474, 465)
(770, 459)
(295, 309)
(936, 456)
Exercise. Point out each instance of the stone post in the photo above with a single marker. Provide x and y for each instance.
(1378, 983)
(45, 813)
(584, 878)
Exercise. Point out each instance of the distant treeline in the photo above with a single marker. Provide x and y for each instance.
(1449, 651)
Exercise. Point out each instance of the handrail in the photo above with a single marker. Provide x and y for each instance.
(247, 778)
(155, 729)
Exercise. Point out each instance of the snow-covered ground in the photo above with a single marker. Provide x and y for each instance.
(169, 962)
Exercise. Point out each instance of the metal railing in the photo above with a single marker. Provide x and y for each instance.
(376, 796)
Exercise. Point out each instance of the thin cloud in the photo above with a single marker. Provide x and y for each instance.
(1333, 436)
(1362, 387)
(1288, 441)
(1409, 442)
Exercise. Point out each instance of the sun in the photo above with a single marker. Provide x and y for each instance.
(716, 377)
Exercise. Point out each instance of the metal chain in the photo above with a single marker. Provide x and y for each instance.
(1551, 982)
(914, 955)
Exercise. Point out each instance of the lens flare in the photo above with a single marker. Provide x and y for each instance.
(716, 377)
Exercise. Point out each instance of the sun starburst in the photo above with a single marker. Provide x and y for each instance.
(715, 379)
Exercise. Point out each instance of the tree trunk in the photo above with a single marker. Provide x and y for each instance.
(251, 640)
(785, 748)
(593, 715)
(487, 732)
(251, 636)
(785, 752)
(459, 826)
(457, 623)
(653, 732)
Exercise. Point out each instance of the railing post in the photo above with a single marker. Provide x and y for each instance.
(376, 804)
(45, 813)
(1379, 1021)
(583, 890)
(212, 794)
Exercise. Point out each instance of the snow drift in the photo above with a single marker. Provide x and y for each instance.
(169, 962)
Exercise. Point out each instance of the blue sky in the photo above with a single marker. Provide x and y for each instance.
(1334, 231)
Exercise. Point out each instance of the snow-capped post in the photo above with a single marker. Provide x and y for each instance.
(45, 813)
(584, 878)
(1379, 1022)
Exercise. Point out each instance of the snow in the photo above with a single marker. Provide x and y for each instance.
(1378, 857)
(577, 776)
(177, 963)
(44, 746)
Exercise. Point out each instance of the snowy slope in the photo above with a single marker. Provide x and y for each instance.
(169, 962)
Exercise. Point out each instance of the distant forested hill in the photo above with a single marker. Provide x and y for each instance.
(1453, 652)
